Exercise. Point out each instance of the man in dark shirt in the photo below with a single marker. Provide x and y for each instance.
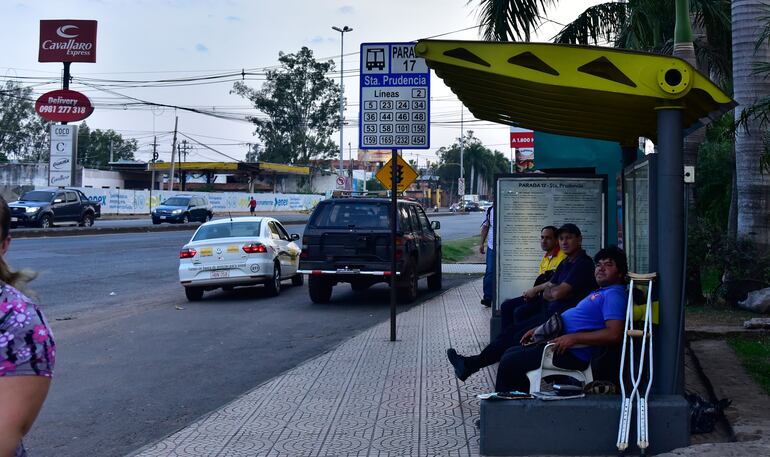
(572, 280)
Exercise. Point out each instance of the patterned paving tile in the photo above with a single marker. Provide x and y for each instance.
(367, 398)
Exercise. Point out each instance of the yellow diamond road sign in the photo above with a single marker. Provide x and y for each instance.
(405, 175)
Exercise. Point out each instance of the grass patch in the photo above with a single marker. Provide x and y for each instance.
(455, 251)
(717, 314)
(754, 354)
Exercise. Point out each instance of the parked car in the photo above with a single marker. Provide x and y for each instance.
(485, 205)
(43, 208)
(348, 240)
(470, 207)
(241, 251)
(183, 209)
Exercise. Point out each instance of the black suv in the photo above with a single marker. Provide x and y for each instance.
(348, 240)
(183, 209)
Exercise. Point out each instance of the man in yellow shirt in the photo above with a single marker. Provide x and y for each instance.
(553, 255)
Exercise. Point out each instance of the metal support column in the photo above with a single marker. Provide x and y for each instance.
(669, 362)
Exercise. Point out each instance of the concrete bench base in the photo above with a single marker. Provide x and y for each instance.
(585, 426)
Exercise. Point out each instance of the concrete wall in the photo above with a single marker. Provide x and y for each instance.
(102, 179)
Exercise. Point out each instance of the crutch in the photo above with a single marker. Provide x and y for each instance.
(635, 375)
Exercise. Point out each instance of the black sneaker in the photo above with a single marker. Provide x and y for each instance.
(486, 302)
(458, 362)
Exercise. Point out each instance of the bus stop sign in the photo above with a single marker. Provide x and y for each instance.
(395, 97)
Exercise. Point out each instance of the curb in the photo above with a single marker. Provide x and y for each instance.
(82, 231)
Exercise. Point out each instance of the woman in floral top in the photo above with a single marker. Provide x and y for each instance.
(27, 352)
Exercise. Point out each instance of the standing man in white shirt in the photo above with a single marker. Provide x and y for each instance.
(488, 244)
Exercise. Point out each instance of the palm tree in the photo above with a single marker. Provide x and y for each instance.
(750, 87)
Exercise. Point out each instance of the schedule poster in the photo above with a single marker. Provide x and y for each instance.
(527, 203)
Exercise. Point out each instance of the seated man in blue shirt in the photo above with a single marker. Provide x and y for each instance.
(596, 321)
(572, 280)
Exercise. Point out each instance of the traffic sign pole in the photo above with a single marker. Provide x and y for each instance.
(393, 224)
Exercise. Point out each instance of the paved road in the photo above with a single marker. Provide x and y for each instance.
(146, 221)
(133, 366)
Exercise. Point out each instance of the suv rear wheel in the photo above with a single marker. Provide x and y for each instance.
(320, 289)
(407, 290)
(434, 280)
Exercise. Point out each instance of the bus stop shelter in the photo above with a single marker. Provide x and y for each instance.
(607, 94)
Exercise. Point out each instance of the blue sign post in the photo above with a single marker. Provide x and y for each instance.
(395, 114)
(395, 97)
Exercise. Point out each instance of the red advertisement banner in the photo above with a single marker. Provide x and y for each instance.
(63, 106)
(67, 40)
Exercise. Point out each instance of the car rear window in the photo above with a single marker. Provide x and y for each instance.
(231, 230)
(370, 215)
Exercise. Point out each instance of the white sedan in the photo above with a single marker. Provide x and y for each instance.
(240, 251)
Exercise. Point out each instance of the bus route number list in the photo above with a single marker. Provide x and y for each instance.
(395, 97)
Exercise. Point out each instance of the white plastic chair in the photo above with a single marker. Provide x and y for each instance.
(547, 368)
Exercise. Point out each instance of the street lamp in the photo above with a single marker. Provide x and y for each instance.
(342, 84)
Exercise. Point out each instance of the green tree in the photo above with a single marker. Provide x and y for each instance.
(94, 147)
(23, 135)
(480, 164)
(299, 109)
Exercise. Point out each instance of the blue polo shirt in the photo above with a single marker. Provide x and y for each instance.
(605, 304)
(578, 273)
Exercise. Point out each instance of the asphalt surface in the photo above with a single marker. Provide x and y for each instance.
(136, 361)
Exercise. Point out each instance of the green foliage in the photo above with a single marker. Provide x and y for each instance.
(714, 171)
(23, 135)
(476, 157)
(94, 147)
(754, 354)
(299, 109)
(454, 251)
(510, 20)
(373, 185)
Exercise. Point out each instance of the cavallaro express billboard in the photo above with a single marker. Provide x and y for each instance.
(67, 40)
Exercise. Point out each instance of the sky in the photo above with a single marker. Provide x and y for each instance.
(142, 41)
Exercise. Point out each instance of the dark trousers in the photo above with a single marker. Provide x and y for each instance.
(516, 360)
(523, 314)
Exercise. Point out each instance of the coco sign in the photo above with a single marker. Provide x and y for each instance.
(63, 106)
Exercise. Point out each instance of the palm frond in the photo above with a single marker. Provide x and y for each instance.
(509, 20)
(603, 21)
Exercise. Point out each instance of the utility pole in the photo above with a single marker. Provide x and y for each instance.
(173, 157)
(154, 159)
(462, 147)
(185, 146)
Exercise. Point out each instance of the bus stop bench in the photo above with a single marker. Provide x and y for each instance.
(583, 426)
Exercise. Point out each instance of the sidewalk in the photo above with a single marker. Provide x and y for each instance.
(368, 397)
(372, 397)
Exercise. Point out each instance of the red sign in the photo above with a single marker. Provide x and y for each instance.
(522, 139)
(63, 106)
(67, 40)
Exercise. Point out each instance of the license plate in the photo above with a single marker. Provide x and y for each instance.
(220, 274)
(163, 217)
(14, 219)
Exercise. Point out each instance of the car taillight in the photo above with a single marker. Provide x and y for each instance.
(254, 248)
(187, 253)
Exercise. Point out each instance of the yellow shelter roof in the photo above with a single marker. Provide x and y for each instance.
(590, 92)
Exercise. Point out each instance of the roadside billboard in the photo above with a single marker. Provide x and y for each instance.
(67, 40)
(63, 106)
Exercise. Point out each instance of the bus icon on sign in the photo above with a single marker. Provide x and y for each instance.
(375, 58)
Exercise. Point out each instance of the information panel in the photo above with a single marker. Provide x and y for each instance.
(395, 98)
(524, 206)
(62, 158)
